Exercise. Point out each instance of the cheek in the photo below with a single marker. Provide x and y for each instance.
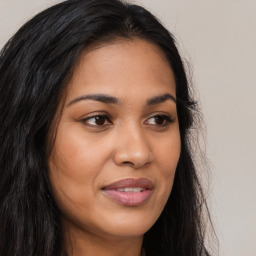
(167, 153)
(73, 168)
(76, 153)
(167, 156)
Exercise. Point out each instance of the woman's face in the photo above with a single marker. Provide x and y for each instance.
(117, 143)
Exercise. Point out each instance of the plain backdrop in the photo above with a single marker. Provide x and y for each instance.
(218, 38)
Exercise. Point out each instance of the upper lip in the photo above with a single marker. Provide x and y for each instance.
(131, 183)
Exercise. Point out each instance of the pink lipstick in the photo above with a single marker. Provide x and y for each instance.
(129, 192)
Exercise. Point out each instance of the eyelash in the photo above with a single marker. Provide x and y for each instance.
(106, 117)
(103, 117)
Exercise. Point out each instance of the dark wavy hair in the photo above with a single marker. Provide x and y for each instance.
(36, 65)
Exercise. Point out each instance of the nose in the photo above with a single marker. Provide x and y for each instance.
(133, 149)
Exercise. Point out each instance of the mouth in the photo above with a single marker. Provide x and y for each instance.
(129, 192)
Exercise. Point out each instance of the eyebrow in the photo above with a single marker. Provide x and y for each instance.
(113, 100)
(160, 99)
(96, 97)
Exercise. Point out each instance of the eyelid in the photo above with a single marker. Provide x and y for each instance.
(159, 113)
(97, 113)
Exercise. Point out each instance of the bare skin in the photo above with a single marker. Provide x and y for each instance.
(131, 132)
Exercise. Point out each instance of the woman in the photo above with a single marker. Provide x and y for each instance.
(95, 146)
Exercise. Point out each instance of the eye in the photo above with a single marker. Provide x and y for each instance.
(160, 120)
(97, 120)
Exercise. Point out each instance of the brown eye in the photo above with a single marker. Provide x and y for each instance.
(97, 120)
(160, 120)
(100, 120)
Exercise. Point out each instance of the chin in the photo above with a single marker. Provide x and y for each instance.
(127, 224)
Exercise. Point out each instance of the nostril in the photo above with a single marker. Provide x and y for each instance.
(128, 162)
(135, 164)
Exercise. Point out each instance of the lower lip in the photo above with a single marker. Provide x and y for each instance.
(128, 198)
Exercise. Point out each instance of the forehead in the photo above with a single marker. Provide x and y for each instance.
(123, 67)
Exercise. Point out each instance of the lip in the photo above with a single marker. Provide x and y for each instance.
(129, 198)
